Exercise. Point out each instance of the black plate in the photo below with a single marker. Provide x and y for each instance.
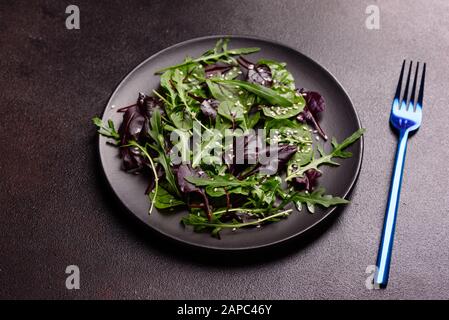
(339, 120)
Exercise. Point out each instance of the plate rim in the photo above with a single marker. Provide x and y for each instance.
(325, 216)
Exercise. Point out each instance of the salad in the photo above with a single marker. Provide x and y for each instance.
(233, 141)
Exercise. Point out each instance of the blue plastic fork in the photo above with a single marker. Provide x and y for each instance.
(405, 118)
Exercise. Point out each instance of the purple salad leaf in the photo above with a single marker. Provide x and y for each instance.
(257, 73)
(189, 190)
(243, 153)
(314, 105)
(276, 164)
(217, 69)
(130, 129)
(308, 180)
(260, 74)
(209, 108)
(148, 104)
(134, 127)
(258, 155)
(314, 101)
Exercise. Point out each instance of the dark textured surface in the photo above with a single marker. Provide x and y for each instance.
(55, 207)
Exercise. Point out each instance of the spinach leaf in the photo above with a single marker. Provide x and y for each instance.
(280, 75)
(287, 131)
(233, 111)
(164, 200)
(267, 94)
(279, 112)
(227, 92)
(253, 119)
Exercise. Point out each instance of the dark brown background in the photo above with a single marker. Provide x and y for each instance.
(56, 209)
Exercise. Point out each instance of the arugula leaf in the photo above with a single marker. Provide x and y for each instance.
(220, 191)
(317, 197)
(106, 130)
(144, 151)
(265, 93)
(206, 142)
(220, 51)
(337, 152)
(302, 157)
(167, 85)
(265, 193)
(200, 223)
(221, 181)
(184, 89)
(156, 133)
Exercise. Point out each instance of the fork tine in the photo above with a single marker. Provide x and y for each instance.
(398, 88)
(421, 88)
(412, 97)
(405, 96)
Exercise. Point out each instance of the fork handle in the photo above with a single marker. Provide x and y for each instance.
(386, 244)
